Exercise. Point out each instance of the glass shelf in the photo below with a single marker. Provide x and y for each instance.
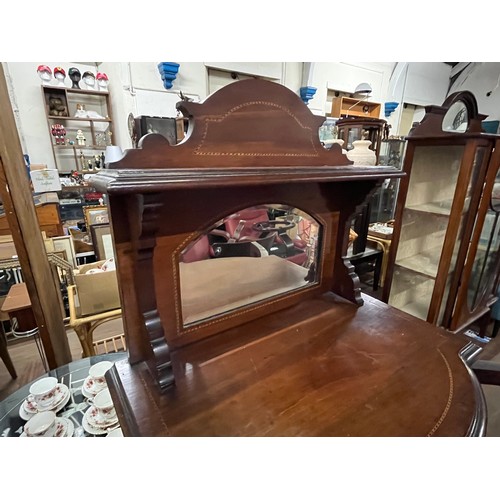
(436, 207)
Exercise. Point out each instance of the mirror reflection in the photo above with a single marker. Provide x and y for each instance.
(456, 118)
(247, 257)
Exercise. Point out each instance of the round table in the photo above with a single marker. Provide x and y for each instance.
(72, 375)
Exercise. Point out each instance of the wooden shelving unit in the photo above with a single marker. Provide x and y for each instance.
(98, 132)
(350, 106)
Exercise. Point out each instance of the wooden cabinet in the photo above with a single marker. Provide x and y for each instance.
(440, 241)
(354, 129)
(257, 344)
(49, 220)
(69, 111)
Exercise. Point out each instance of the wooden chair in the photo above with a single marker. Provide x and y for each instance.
(85, 326)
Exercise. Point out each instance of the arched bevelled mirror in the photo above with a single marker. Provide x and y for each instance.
(249, 256)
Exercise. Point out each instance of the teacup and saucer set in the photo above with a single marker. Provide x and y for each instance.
(96, 381)
(45, 395)
(100, 417)
(47, 424)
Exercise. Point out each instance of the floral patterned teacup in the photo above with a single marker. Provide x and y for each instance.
(97, 375)
(104, 405)
(44, 392)
(42, 424)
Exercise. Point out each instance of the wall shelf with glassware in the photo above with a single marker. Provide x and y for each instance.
(80, 125)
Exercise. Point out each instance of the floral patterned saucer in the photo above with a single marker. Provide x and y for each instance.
(90, 388)
(96, 420)
(95, 429)
(64, 428)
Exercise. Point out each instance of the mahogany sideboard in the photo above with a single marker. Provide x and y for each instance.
(265, 342)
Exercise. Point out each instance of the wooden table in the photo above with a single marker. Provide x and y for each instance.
(18, 305)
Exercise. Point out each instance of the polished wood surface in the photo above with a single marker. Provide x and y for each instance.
(343, 371)
(18, 305)
(319, 361)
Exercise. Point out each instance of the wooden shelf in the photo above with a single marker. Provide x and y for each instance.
(411, 291)
(80, 171)
(418, 309)
(76, 91)
(426, 262)
(442, 207)
(438, 208)
(94, 100)
(56, 146)
(349, 106)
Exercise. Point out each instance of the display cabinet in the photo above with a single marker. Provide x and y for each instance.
(383, 203)
(80, 125)
(242, 313)
(444, 232)
(352, 129)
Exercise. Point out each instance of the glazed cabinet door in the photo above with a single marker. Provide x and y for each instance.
(424, 224)
(477, 287)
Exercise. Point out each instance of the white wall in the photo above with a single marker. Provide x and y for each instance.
(345, 77)
(419, 84)
(481, 78)
(137, 88)
(25, 88)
